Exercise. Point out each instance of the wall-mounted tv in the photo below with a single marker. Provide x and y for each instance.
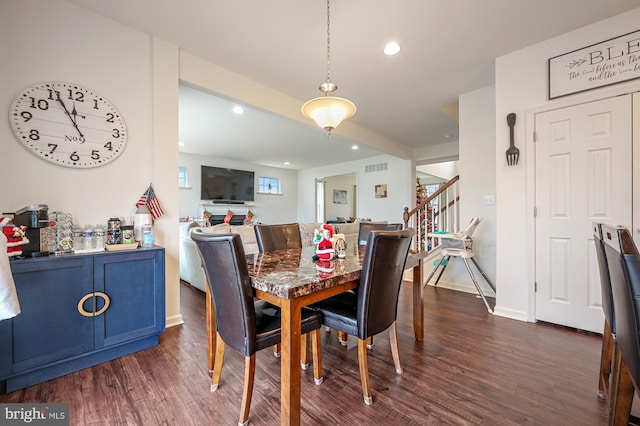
(223, 185)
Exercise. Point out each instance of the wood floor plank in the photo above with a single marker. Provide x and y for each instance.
(471, 369)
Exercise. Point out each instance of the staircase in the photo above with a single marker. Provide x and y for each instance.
(438, 212)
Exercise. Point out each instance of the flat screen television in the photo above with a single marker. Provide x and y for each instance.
(224, 185)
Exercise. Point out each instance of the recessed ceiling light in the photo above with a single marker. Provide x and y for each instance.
(354, 147)
(238, 109)
(286, 163)
(392, 48)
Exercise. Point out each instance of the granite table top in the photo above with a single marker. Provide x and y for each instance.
(293, 273)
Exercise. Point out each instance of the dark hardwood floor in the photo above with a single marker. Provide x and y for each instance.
(472, 369)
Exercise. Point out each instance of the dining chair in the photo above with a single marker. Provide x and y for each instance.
(281, 237)
(623, 261)
(245, 325)
(374, 307)
(365, 228)
(609, 347)
(278, 237)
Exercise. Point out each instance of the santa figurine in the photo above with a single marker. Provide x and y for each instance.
(324, 242)
(15, 236)
(325, 268)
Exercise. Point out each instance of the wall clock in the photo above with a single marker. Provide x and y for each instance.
(68, 125)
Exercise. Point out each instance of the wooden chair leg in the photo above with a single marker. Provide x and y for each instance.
(370, 342)
(606, 358)
(316, 350)
(217, 369)
(622, 390)
(247, 390)
(211, 330)
(364, 371)
(342, 338)
(304, 351)
(276, 350)
(393, 339)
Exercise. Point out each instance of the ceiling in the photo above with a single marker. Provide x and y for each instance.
(448, 48)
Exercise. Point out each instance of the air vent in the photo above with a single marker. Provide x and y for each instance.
(371, 168)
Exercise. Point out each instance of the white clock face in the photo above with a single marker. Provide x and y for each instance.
(68, 125)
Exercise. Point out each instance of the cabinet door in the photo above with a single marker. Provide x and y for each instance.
(134, 284)
(5, 348)
(50, 327)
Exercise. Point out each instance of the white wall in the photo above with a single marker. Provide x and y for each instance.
(399, 177)
(478, 177)
(446, 170)
(267, 208)
(340, 183)
(54, 40)
(521, 86)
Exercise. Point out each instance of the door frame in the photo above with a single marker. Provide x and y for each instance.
(530, 178)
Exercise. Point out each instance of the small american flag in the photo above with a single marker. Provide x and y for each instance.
(150, 200)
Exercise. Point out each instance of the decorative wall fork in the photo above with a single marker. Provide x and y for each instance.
(513, 153)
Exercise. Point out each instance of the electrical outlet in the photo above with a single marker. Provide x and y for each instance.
(488, 200)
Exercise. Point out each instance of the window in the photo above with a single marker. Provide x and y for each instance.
(269, 185)
(430, 190)
(183, 181)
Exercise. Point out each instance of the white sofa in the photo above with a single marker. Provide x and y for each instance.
(190, 265)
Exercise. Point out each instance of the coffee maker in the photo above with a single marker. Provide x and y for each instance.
(36, 218)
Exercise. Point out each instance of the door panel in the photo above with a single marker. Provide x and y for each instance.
(583, 174)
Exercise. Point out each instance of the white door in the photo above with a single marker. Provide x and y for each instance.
(583, 175)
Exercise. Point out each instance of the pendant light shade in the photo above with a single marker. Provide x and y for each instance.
(328, 111)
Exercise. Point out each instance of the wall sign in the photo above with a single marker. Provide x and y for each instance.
(381, 190)
(601, 64)
(339, 196)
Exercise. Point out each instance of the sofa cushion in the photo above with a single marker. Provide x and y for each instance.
(347, 228)
(307, 231)
(248, 236)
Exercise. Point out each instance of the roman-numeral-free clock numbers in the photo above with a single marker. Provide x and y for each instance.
(68, 125)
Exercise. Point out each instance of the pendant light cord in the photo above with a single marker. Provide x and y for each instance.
(328, 44)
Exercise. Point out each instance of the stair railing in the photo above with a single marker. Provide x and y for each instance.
(440, 212)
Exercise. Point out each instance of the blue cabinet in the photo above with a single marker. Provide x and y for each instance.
(79, 311)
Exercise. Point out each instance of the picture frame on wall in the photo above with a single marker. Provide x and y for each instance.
(602, 64)
(381, 190)
(339, 196)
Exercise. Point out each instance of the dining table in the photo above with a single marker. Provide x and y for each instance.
(292, 279)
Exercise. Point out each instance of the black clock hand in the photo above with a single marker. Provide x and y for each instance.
(75, 113)
(66, 111)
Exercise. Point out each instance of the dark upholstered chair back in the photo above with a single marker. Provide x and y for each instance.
(380, 279)
(624, 269)
(366, 227)
(605, 279)
(278, 237)
(225, 266)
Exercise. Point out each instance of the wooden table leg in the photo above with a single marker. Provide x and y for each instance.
(418, 303)
(290, 359)
(211, 331)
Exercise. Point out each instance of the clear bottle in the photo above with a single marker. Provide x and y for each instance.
(99, 237)
(89, 238)
(147, 235)
(77, 238)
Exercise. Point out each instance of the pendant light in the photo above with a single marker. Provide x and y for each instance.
(328, 111)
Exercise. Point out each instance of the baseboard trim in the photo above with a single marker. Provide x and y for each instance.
(175, 320)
